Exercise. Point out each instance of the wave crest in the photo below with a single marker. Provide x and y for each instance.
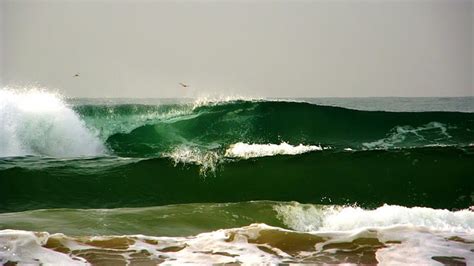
(207, 161)
(35, 122)
(245, 150)
(307, 217)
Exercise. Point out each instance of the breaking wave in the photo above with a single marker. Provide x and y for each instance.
(35, 122)
(216, 180)
(313, 234)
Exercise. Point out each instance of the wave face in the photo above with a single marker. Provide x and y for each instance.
(142, 131)
(235, 181)
(436, 177)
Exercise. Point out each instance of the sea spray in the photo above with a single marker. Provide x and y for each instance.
(36, 122)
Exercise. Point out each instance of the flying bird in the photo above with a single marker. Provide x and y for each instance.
(76, 75)
(183, 85)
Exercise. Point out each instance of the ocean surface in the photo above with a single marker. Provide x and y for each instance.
(235, 180)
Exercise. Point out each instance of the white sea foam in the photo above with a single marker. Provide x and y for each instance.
(423, 233)
(245, 150)
(428, 134)
(206, 160)
(307, 217)
(36, 122)
(210, 100)
(27, 247)
(253, 244)
(418, 246)
(397, 235)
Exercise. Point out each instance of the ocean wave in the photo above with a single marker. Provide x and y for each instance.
(310, 233)
(109, 119)
(308, 217)
(161, 220)
(53, 128)
(447, 236)
(36, 122)
(437, 177)
(80, 181)
(267, 122)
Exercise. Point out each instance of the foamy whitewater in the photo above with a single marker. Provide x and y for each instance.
(235, 180)
(244, 150)
(35, 122)
(391, 234)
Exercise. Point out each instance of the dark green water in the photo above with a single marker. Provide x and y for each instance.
(432, 177)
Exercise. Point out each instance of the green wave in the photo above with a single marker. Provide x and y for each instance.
(195, 218)
(169, 220)
(150, 130)
(438, 177)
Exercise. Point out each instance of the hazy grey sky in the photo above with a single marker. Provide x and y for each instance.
(259, 48)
